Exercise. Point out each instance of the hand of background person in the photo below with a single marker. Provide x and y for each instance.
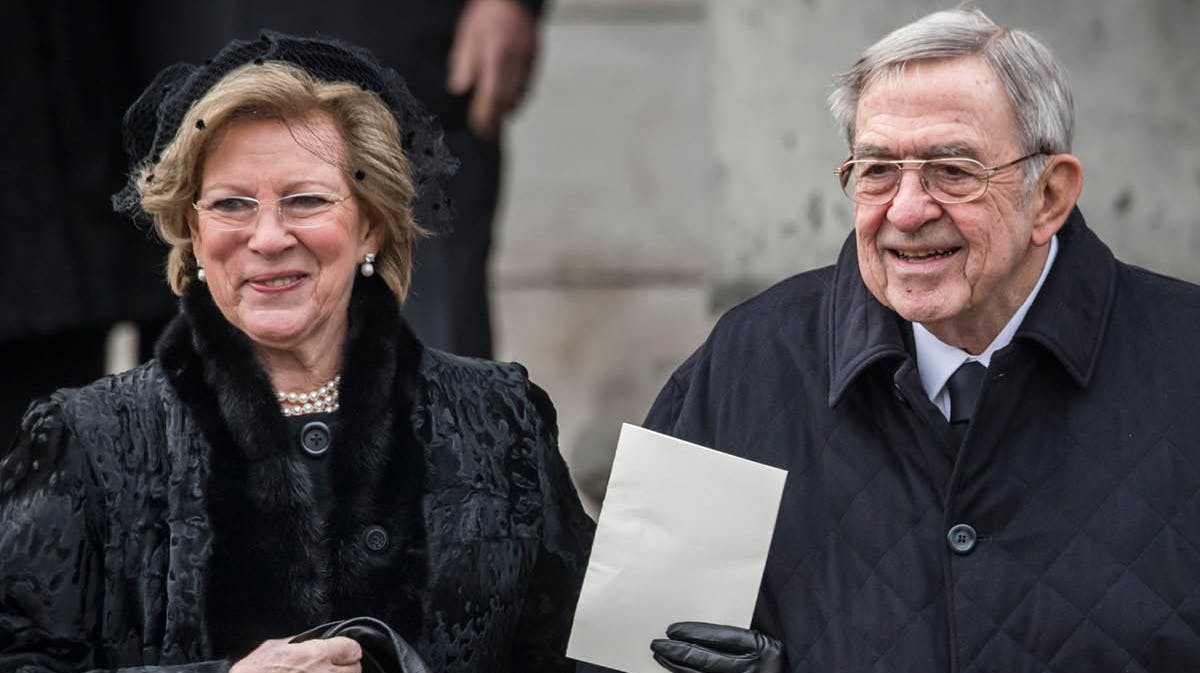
(495, 45)
(698, 647)
(334, 655)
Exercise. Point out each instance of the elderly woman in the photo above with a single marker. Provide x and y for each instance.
(293, 455)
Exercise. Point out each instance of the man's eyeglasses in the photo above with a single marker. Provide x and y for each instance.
(296, 211)
(874, 182)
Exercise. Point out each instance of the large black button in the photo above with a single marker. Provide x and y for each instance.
(375, 538)
(961, 538)
(314, 438)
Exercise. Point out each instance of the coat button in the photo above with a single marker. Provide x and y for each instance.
(314, 438)
(961, 538)
(375, 538)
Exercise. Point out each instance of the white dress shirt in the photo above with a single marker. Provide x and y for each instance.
(937, 360)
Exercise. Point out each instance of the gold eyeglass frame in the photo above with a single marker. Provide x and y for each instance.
(985, 175)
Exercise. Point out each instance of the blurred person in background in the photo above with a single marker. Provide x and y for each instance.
(69, 266)
(294, 454)
(469, 61)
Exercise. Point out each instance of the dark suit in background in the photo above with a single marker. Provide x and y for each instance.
(69, 266)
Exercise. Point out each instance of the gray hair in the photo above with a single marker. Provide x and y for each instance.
(1036, 85)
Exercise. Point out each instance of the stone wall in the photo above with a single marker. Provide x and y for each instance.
(600, 277)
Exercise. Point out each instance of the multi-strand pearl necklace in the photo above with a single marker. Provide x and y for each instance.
(323, 399)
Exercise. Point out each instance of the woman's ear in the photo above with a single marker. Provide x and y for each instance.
(371, 237)
(1055, 196)
(193, 226)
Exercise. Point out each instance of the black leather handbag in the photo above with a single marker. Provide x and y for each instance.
(384, 651)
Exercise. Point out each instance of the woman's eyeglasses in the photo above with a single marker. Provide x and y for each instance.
(296, 211)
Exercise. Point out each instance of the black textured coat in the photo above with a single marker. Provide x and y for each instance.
(1080, 473)
(161, 516)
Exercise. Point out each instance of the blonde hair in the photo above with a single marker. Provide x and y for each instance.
(373, 162)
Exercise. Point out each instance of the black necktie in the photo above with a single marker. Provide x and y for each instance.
(964, 386)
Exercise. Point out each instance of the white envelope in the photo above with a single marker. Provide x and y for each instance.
(683, 536)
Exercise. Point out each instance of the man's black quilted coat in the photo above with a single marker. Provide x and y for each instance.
(1080, 472)
(162, 518)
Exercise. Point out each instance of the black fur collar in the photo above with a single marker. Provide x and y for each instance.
(272, 555)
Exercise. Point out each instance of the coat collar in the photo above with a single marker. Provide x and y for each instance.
(1068, 318)
(260, 499)
(212, 367)
(862, 331)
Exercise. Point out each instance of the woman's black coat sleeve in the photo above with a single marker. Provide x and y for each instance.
(52, 544)
(566, 538)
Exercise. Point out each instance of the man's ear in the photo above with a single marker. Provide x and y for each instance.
(1057, 191)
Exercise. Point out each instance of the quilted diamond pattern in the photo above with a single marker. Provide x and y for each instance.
(1108, 574)
(1080, 474)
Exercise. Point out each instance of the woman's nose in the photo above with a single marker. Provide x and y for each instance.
(271, 234)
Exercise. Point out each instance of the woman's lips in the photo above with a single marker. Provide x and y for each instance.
(276, 283)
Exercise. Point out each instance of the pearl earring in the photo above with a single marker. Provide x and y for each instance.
(200, 271)
(368, 266)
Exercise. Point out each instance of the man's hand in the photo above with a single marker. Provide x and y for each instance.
(494, 48)
(697, 647)
(335, 655)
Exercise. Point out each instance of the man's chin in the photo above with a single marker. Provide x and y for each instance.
(928, 309)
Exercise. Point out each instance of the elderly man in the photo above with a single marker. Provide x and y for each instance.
(991, 426)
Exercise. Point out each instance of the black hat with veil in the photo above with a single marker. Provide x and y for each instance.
(151, 123)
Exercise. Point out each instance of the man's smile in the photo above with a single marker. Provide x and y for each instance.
(921, 255)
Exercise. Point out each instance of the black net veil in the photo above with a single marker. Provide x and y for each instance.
(151, 123)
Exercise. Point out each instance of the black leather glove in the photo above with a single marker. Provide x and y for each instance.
(384, 651)
(697, 647)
